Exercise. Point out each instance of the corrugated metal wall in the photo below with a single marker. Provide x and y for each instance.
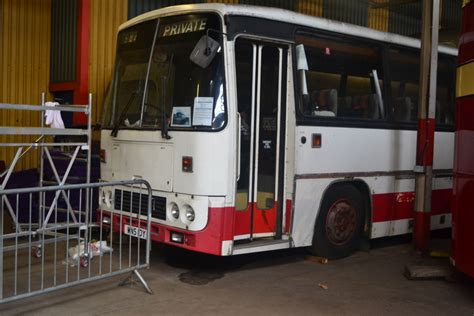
(405, 19)
(63, 40)
(137, 7)
(451, 14)
(283, 4)
(402, 17)
(310, 7)
(450, 21)
(378, 16)
(25, 33)
(106, 17)
(349, 11)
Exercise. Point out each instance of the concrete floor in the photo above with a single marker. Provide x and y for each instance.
(278, 283)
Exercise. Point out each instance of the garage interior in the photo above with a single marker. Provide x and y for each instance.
(67, 49)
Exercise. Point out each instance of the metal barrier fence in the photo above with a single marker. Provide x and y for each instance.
(52, 238)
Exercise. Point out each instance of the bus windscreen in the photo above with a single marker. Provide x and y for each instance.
(156, 83)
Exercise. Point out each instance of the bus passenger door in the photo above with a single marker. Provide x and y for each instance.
(261, 95)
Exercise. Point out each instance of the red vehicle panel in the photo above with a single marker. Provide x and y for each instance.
(463, 208)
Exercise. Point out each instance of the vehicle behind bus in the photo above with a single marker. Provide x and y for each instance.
(269, 132)
(463, 210)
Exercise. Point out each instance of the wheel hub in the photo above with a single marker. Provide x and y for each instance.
(341, 222)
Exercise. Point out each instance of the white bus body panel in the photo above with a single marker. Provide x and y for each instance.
(356, 151)
(144, 154)
(351, 150)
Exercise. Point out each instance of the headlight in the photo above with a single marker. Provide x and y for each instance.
(190, 213)
(110, 198)
(174, 210)
(101, 197)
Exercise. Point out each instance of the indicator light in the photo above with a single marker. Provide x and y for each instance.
(316, 141)
(187, 164)
(102, 155)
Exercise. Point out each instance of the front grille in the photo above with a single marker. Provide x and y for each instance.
(158, 207)
(136, 203)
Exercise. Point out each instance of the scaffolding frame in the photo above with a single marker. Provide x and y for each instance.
(43, 145)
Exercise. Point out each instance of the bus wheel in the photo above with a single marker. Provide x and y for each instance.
(339, 224)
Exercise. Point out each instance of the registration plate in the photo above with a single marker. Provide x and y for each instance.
(135, 231)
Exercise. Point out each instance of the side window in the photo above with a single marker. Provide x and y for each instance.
(445, 91)
(404, 74)
(343, 79)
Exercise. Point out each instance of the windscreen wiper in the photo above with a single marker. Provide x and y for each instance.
(122, 114)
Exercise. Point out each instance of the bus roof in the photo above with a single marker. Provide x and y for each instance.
(287, 16)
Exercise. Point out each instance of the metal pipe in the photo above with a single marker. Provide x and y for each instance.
(48, 278)
(19, 107)
(77, 186)
(13, 130)
(426, 125)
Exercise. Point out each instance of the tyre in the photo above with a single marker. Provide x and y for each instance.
(339, 224)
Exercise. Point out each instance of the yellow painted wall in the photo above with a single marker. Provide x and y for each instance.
(24, 66)
(378, 17)
(311, 7)
(106, 17)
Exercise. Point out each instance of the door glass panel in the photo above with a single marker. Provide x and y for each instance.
(244, 52)
(267, 142)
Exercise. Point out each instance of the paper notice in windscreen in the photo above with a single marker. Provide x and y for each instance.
(202, 113)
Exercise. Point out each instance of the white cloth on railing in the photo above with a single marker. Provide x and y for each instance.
(53, 117)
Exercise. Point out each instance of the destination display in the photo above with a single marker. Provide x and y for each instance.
(183, 27)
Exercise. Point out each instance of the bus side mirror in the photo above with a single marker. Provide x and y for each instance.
(204, 51)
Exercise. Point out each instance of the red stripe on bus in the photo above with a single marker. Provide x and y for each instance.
(263, 222)
(242, 223)
(401, 205)
(208, 240)
(288, 216)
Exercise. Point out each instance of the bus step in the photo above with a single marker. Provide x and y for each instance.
(261, 245)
